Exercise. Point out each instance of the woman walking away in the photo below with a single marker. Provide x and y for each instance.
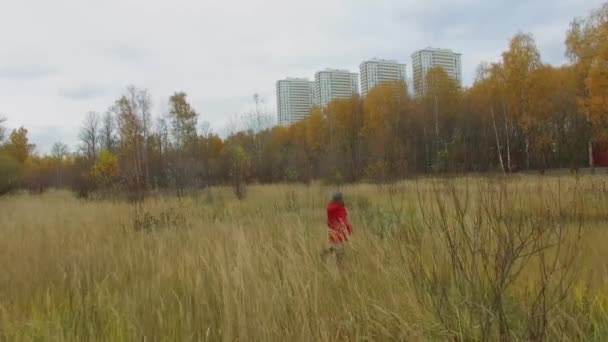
(338, 228)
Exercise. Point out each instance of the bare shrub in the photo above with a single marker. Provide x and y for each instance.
(148, 222)
(237, 163)
(291, 200)
(478, 244)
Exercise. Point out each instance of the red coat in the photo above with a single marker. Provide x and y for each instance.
(337, 222)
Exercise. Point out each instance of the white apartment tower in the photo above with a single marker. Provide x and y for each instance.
(377, 71)
(332, 84)
(428, 58)
(294, 100)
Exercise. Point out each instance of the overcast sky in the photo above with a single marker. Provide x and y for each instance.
(60, 59)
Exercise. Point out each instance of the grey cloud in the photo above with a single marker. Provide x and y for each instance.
(83, 92)
(124, 52)
(26, 72)
(46, 135)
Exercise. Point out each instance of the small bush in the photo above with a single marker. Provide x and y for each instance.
(169, 219)
(291, 200)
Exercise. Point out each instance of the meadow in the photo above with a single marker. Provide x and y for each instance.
(465, 259)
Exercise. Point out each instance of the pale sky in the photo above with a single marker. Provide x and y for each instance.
(60, 59)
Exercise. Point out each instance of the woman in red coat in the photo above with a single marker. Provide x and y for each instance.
(338, 227)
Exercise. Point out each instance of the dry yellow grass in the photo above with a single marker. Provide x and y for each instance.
(213, 268)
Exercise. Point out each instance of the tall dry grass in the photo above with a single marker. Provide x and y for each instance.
(214, 268)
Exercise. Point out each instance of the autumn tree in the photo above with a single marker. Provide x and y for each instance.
(257, 121)
(520, 62)
(19, 146)
(587, 48)
(439, 105)
(183, 122)
(131, 146)
(385, 113)
(143, 105)
(163, 149)
(237, 163)
(315, 140)
(89, 136)
(183, 119)
(10, 171)
(38, 173)
(12, 157)
(107, 134)
(106, 169)
(58, 157)
(486, 101)
(211, 146)
(59, 150)
(596, 83)
(297, 162)
(554, 128)
(343, 160)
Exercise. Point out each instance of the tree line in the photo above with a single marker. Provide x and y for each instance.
(520, 114)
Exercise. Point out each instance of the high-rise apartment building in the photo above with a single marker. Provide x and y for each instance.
(428, 58)
(332, 84)
(294, 100)
(377, 71)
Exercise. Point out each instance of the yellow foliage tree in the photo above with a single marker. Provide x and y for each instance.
(384, 109)
(597, 87)
(519, 63)
(19, 146)
(587, 44)
(106, 169)
(314, 131)
(439, 106)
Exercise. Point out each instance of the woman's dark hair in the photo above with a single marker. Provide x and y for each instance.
(337, 197)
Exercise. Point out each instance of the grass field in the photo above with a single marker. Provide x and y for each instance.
(211, 267)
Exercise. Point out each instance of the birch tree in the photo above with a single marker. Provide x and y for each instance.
(90, 136)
